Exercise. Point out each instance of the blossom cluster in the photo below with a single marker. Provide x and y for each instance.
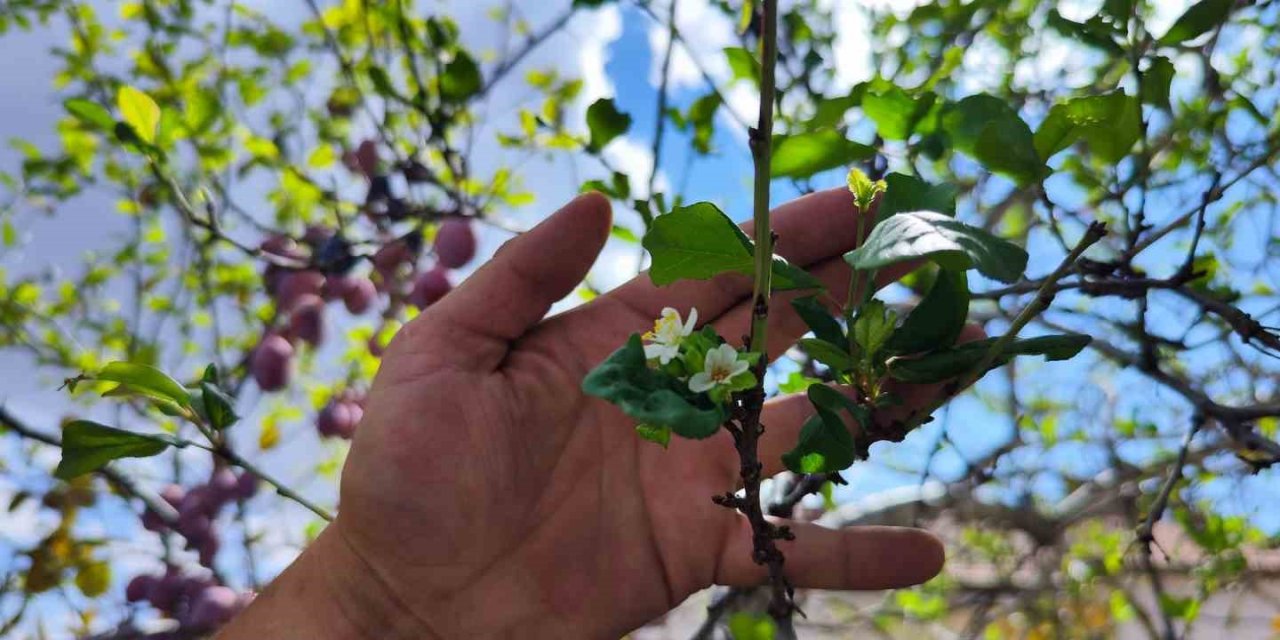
(700, 360)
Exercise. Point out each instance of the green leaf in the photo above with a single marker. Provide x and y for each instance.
(92, 114)
(864, 190)
(139, 111)
(147, 381)
(818, 319)
(216, 406)
(605, 123)
(909, 193)
(1199, 19)
(699, 241)
(936, 322)
(950, 363)
(651, 396)
(987, 129)
(830, 354)
(657, 435)
(382, 82)
(896, 112)
(749, 626)
(872, 328)
(825, 444)
(1095, 32)
(461, 78)
(945, 240)
(1109, 124)
(743, 64)
(87, 446)
(804, 154)
(1156, 81)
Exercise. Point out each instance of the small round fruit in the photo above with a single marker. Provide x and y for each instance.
(338, 419)
(429, 287)
(223, 484)
(455, 242)
(359, 295)
(367, 157)
(272, 363)
(208, 549)
(213, 608)
(306, 321)
(246, 486)
(293, 285)
(139, 588)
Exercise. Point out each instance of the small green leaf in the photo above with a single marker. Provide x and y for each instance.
(657, 435)
(749, 626)
(651, 396)
(382, 82)
(804, 154)
(825, 444)
(818, 319)
(951, 363)
(605, 123)
(699, 241)
(743, 64)
(92, 114)
(828, 353)
(909, 193)
(139, 111)
(145, 380)
(1198, 20)
(1156, 81)
(461, 78)
(987, 129)
(936, 322)
(943, 239)
(1095, 32)
(872, 328)
(1109, 124)
(87, 446)
(864, 190)
(896, 112)
(218, 407)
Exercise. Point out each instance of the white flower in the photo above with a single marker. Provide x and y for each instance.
(668, 331)
(722, 365)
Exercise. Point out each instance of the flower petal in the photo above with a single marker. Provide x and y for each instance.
(700, 382)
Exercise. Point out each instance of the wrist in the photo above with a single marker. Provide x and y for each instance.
(328, 593)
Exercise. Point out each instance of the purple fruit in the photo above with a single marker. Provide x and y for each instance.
(306, 321)
(152, 522)
(166, 591)
(194, 526)
(173, 494)
(208, 548)
(139, 588)
(246, 486)
(338, 419)
(317, 234)
(358, 295)
(200, 500)
(213, 608)
(429, 287)
(293, 286)
(455, 242)
(272, 363)
(366, 156)
(222, 484)
(282, 246)
(390, 256)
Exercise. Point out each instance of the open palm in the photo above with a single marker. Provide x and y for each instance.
(489, 497)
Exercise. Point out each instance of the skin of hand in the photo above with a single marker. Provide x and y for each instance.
(486, 497)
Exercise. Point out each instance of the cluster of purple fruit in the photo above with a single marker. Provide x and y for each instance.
(199, 604)
(339, 418)
(327, 258)
(198, 508)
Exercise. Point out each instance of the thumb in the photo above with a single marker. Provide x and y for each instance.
(473, 326)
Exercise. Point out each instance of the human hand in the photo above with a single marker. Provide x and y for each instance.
(486, 496)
